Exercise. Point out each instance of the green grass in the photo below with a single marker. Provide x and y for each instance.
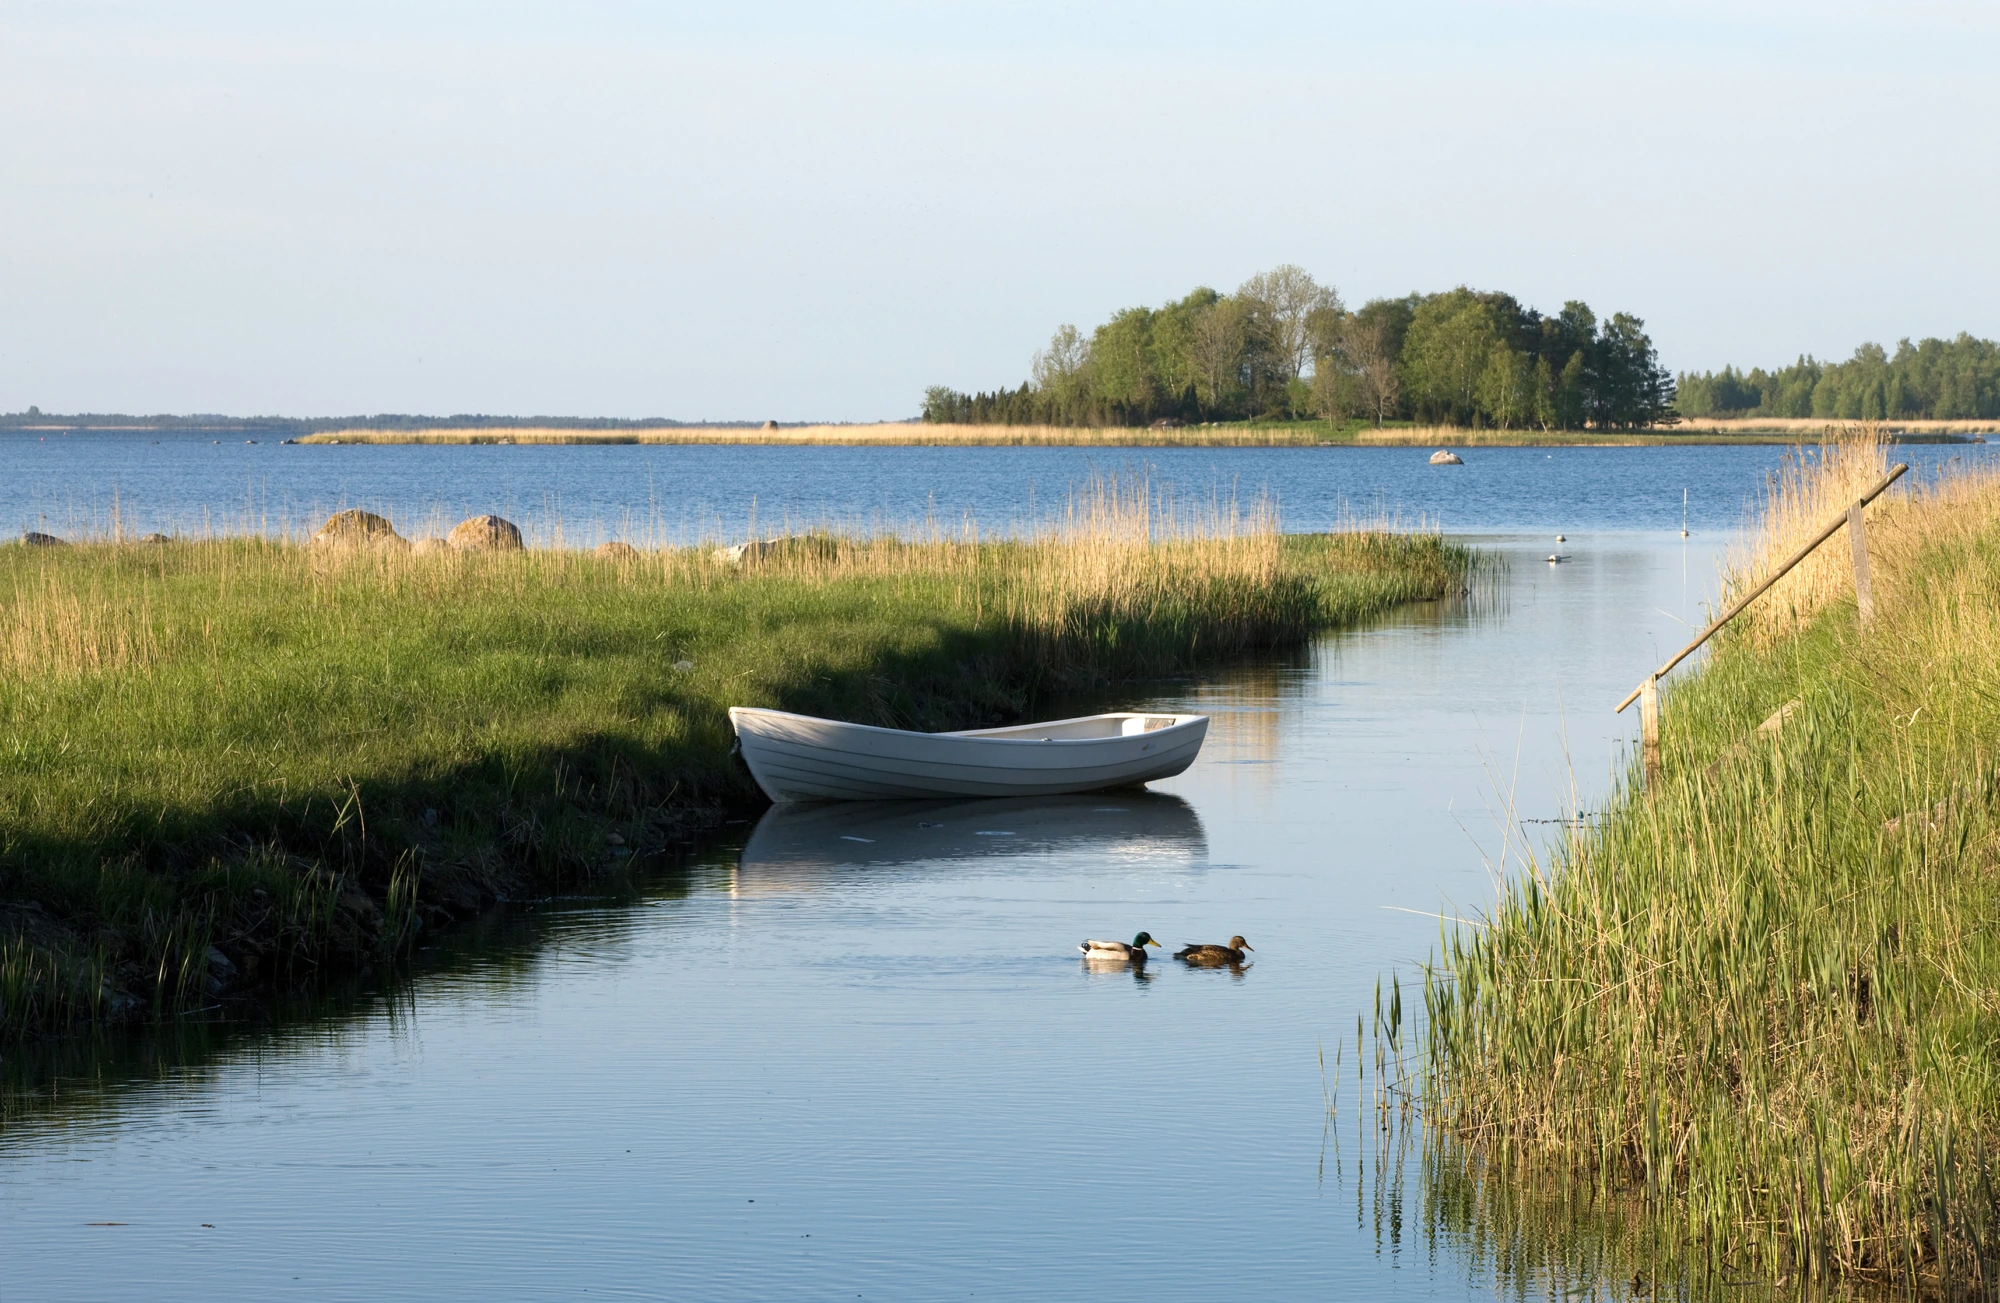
(1752, 1013)
(299, 758)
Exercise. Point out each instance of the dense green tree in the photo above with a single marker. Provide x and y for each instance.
(1446, 354)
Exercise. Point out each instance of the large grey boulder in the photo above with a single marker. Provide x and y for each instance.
(34, 539)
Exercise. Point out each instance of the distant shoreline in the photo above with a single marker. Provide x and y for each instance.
(1300, 434)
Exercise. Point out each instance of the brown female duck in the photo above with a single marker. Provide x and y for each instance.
(1214, 956)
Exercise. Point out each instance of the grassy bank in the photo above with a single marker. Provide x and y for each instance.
(235, 763)
(1752, 1011)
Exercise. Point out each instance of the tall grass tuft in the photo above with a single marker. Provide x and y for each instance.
(1752, 1010)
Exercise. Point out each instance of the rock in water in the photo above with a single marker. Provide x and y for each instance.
(1446, 457)
(485, 534)
(616, 551)
(33, 539)
(355, 527)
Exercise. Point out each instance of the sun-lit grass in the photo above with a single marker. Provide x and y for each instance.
(1754, 1006)
(299, 754)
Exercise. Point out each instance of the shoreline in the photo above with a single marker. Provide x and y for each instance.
(1299, 434)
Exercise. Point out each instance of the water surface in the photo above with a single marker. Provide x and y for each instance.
(581, 495)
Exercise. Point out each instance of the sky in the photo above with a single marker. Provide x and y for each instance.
(813, 211)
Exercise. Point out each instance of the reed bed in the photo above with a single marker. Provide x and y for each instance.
(882, 433)
(1821, 427)
(239, 760)
(1452, 436)
(1749, 1014)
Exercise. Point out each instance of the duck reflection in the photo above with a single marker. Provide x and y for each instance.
(1100, 968)
(797, 843)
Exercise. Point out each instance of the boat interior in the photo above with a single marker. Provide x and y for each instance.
(1091, 726)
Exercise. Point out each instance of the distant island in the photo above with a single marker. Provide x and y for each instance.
(1283, 347)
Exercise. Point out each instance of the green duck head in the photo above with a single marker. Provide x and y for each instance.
(1143, 940)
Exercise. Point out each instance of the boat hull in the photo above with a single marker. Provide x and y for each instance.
(802, 758)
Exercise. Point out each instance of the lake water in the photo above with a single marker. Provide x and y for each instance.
(852, 1052)
(81, 483)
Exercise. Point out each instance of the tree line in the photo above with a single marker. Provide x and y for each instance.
(1935, 379)
(1283, 346)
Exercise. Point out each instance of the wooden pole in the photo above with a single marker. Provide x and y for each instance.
(1864, 593)
(1736, 607)
(1649, 726)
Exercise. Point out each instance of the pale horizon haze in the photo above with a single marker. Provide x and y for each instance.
(811, 212)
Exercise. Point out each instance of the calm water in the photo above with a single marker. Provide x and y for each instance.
(851, 1052)
(80, 483)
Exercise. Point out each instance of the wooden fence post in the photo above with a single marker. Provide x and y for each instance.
(1649, 726)
(1864, 592)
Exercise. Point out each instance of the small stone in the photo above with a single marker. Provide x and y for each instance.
(219, 963)
(614, 839)
(616, 551)
(485, 534)
(429, 547)
(34, 539)
(684, 666)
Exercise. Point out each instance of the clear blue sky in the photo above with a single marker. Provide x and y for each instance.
(815, 210)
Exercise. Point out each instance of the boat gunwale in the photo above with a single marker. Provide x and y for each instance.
(997, 734)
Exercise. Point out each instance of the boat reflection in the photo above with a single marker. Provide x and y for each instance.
(793, 844)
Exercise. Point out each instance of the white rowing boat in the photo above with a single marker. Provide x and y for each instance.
(801, 758)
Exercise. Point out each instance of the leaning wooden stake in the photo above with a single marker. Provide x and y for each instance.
(1649, 726)
(1895, 473)
(1864, 593)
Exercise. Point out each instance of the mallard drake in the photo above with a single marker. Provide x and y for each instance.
(1134, 953)
(1229, 954)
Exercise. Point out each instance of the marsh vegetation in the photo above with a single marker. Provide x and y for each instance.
(1746, 1018)
(239, 761)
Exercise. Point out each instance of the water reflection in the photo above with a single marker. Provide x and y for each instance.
(799, 845)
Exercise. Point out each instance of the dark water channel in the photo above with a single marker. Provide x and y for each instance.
(852, 1053)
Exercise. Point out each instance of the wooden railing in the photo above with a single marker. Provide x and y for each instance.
(1647, 694)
